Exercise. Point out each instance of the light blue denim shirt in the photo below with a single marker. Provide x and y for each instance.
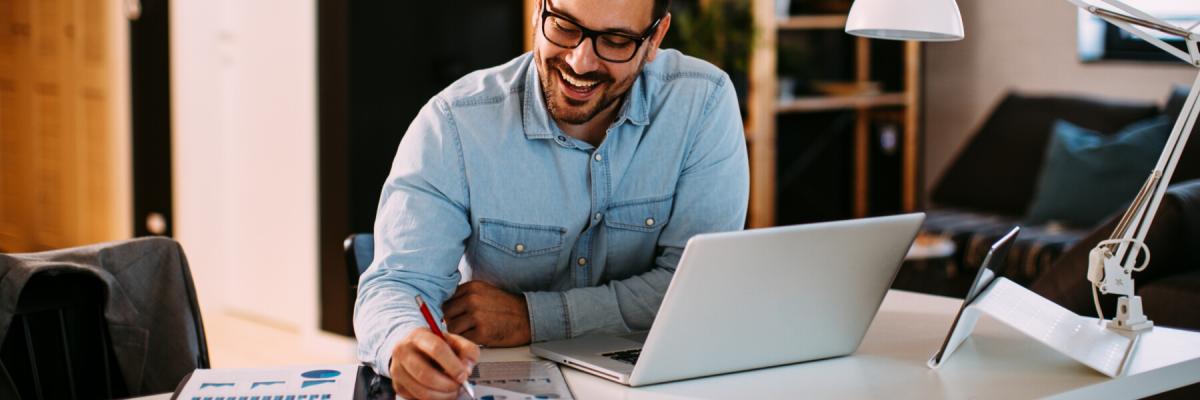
(590, 235)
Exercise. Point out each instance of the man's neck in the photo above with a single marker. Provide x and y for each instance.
(594, 130)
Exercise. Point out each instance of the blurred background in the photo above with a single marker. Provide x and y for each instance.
(258, 132)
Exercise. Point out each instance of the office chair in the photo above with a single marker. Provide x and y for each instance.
(360, 251)
(58, 346)
(62, 340)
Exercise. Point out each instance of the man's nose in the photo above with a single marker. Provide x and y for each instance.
(582, 58)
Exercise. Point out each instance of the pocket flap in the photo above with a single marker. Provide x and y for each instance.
(520, 240)
(644, 215)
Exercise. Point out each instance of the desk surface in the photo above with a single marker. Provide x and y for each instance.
(996, 362)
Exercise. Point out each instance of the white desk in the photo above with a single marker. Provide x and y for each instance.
(997, 362)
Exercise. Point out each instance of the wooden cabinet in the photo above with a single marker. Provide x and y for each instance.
(766, 107)
(63, 148)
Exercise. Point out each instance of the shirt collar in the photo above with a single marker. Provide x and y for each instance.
(536, 119)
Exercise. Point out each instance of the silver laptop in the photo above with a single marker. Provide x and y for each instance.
(753, 299)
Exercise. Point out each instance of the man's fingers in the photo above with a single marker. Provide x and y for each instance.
(455, 307)
(460, 324)
(465, 348)
(440, 352)
(415, 389)
(430, 377)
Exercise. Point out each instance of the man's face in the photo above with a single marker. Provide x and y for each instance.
(576, 83)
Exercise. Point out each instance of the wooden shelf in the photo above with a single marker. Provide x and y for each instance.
(765, 109)
(827, 103)
(803, 22)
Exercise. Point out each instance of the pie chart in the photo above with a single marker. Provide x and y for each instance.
(321, 374)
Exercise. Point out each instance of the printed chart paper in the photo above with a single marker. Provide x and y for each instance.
(296, 383)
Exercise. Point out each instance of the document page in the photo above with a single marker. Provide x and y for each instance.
(297, 383)
(519, 380)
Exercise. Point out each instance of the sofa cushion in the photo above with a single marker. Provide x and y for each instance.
(1173, 302)
(1087, 176)
(997, 170)
(973, 233)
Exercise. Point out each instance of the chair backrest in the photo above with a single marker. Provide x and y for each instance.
(360, 251)
(110, 320)
(58, 346)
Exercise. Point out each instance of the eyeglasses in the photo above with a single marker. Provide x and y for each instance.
(614, 47)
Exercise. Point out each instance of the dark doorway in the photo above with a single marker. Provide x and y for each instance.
(378, 64)
(150, 97)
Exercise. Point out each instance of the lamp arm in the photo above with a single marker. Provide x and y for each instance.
(1165, 168)
(1134, 17)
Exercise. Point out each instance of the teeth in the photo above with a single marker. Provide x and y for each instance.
(577, 82)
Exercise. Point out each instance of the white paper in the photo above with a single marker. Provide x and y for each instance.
(519, 380)
(304, 383)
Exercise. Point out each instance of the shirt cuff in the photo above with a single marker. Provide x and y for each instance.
(549, 318)
(383, 354)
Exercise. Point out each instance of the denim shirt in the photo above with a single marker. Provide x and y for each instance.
(591, 235)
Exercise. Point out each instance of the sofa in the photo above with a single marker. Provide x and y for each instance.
(989, 186)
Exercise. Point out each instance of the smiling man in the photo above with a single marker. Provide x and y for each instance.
(568, 180)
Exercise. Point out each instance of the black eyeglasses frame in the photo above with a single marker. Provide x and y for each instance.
(593, 34)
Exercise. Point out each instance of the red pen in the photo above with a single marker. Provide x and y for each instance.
(433, 326)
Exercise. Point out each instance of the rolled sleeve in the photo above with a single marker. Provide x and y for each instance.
(420, 233)
(548, 316)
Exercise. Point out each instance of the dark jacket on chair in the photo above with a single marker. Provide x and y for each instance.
(150, 308)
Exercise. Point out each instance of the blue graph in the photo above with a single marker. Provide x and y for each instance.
(215, 385)
(308, 384)
(255, 385)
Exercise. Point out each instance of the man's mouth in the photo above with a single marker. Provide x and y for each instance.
(577, 88)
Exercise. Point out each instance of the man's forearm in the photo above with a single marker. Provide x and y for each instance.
(615, 307)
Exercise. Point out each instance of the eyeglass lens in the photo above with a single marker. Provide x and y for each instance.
(608, 46)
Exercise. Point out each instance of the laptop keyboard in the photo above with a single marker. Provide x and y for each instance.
(626, 356)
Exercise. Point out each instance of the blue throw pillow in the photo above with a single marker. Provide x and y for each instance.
(1088, 177)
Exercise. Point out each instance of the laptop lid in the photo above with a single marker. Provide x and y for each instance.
(765, 297)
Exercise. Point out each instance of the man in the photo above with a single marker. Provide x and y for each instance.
(568, 180)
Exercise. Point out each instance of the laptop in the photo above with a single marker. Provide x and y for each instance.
(753, 299)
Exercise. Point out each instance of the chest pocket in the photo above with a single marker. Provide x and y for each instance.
(521, 240)
(643, 215)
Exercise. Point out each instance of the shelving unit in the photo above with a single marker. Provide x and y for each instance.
(765, 108)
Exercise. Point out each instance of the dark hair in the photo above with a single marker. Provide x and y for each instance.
(660, 9)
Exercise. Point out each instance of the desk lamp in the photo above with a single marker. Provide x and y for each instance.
(1112, 261)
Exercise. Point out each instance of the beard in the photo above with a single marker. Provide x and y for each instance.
(576, 112)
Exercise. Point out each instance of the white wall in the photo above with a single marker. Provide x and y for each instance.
(244, 148)
(1027, 45)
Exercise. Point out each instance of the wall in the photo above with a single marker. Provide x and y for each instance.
(1027, 45)
(244, 111)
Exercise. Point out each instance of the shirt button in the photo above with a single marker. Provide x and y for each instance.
(598, 216)
(649, 221)
(520, 248)
(562, 138)
(599, 157)
(582, 261)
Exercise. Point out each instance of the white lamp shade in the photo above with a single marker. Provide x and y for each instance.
(924, 20)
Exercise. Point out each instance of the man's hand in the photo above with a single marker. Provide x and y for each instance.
(426, 367)
(487, 315)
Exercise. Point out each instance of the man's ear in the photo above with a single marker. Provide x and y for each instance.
(533, 17)
(657, 38)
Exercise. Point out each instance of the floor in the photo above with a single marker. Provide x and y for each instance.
(237, 341)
